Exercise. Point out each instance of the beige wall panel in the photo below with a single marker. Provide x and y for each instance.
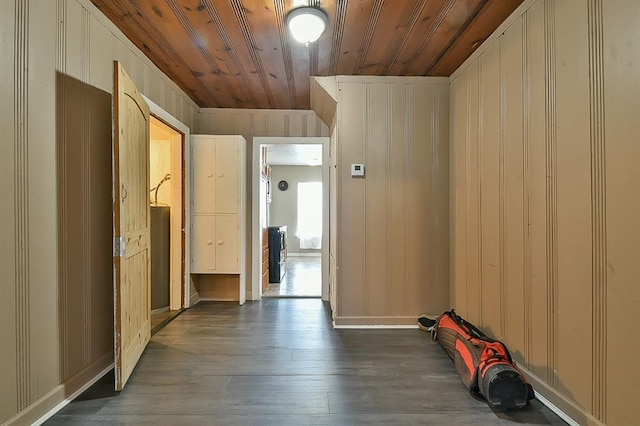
(8, 215)
(125, 56)
(351, 202)
(459, 192)
(472, 213)
(396, 128)
(440, 285)
(537, 296)
(511, 56)
(42, 199)
(574, 203)
(622, 59)
(156, 86)
(420, 255)
(57, 36)
(399, 146)
(377, 184)
(76, 36)
(490, 189)
(102, 51)
(276, 126)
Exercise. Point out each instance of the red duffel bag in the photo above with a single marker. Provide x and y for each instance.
(484, 364)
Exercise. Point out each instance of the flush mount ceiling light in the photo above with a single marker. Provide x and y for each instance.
(306, 24)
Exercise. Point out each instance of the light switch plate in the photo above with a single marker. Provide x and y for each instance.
(357, 170)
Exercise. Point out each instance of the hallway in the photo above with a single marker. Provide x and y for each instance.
(279, 362)
(303, 279)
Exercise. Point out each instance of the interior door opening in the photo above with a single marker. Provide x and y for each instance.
(292, 200)
(167, 214)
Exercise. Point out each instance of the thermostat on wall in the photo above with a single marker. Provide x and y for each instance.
(357, 170)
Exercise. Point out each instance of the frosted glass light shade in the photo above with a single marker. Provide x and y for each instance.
(306, 24)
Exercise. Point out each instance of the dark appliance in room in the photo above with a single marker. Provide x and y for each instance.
(277, 253)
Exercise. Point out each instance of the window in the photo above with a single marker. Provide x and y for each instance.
(310, 215)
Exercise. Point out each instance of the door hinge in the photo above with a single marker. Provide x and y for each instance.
(119, 246)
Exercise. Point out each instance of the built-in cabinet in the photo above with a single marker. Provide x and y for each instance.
(217, 211)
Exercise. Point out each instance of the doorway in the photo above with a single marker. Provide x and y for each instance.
(290, 199)
(166, 194)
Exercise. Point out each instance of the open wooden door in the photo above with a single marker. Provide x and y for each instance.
(132, 257)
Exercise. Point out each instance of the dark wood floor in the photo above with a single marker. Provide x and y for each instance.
(302, 279)
(279, 362)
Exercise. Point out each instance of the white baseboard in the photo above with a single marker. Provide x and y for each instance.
(40, 411)
(304, 254)
(567, 409)
(556, 410)
(373, 327)
(73, 396)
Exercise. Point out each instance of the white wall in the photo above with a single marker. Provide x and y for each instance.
(283, 209)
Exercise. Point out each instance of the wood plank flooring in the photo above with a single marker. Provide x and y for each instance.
(302, 279)
(279, 362)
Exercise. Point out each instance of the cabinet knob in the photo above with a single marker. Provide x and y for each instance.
(221, 175)
(220, 242)
(209, 242)
(210, 175)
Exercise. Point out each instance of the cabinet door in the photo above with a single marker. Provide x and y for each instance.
(203, 244)
(227, 245)
(227, 177)
(204, 181)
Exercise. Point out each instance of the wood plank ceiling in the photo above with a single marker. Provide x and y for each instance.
(238, 53)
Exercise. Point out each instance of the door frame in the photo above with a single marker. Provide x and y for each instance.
(256, 233)
(162, 115)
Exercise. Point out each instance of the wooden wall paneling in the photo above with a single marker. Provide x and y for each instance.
(622, 298)
(574, 310)
(473, 197)
(490, 189)
(598, 206)
(73, 266)
(12, 92)
(459, 192)
(99, 316)
(537, 296)
(377, 186)
(398, 146)
(125, 56)
(40, 220)
(156, 87)
(420, 255)
(75, 38)
(102, 50)
(440, 164)
(351, 203)
(514, 188)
